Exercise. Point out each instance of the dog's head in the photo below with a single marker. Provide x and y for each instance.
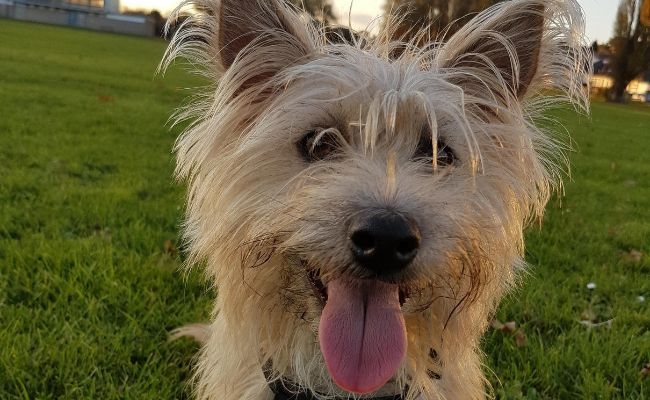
(360, 202)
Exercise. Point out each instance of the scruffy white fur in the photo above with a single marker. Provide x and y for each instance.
(262, 218)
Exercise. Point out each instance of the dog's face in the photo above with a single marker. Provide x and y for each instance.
(361, 213)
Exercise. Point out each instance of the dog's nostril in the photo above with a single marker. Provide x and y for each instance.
(385, 243)
(407, 247)
(363, 241)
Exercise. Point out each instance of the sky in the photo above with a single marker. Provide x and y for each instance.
(599, 14)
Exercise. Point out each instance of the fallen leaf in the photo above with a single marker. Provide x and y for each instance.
(169, 248)
(645, 371)
(591, 325)
(496, 324)
(588, 315)
(635, 255)
(509, 327)
(520, 338)
(105, 98)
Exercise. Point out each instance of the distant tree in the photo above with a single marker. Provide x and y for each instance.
(321, 10)
(631, 46)
(159, 22)
(441, 18)
(153, 16)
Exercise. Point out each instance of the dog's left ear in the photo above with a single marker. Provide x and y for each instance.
(499, 47)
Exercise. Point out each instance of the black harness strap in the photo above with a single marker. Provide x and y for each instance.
(281, 393)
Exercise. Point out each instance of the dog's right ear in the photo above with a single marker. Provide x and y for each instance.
(249, 25)
(251, 40)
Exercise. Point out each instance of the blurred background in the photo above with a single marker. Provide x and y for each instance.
(91, 277)
(618, 30)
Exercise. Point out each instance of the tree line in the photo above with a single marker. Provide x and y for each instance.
(438, 19)
(630, 45)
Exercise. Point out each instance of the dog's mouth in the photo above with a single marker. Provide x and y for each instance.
(320, 289)
(362, 332)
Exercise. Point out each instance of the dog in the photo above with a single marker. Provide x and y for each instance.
(359, 204)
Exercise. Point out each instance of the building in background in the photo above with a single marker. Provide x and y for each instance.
(601, 81)
(112, 6)
(101, 15)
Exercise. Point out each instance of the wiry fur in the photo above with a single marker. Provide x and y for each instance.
(261, 217)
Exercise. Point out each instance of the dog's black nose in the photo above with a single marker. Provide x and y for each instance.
(384, 243)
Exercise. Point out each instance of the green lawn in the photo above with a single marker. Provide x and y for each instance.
(87, 290)
(598, 232)
(90, 285)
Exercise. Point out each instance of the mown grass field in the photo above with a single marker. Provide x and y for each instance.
(90, 283)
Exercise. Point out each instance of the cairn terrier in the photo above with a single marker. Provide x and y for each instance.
(359, 204)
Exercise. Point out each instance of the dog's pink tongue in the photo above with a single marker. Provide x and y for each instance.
(362, 334)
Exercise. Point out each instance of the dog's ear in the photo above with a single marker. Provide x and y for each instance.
(499, 47)
(251, 40)
(244, 25)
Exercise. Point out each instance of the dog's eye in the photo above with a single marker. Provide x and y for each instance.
(445, 155)
(318, 144)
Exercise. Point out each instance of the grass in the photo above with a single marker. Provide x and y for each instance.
(593, 234)
(87, 291)
(89, 279)
(598, 232)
